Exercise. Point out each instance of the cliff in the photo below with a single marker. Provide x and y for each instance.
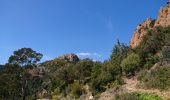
(141, 30)
(164, 16)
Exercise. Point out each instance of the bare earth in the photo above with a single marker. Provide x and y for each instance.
(131, 86)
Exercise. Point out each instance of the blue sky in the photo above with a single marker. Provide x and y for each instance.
(88, 28)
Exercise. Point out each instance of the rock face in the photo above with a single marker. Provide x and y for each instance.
(164, 16)
(162, 20)
(69, 58)
(140, 32)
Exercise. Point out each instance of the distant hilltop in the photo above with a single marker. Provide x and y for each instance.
(141, 30)
(69, 57)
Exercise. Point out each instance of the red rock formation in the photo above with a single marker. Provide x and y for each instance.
(140, 32)
(164, 16)
(162, 20)
(69, 58)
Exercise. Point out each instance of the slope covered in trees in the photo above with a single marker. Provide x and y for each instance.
(68, 77)
(61, 78)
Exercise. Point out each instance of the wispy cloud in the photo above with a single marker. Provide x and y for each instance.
(109, 24)
(87, 54)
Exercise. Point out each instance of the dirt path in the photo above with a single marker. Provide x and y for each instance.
(131, 86)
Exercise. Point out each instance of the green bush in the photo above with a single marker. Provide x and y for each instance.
(107, 76)
(147, 96)
(82, 70)
(96, 70)
(157, 78)
(119, 52)
(131, 64)
(166, 53)
(137, 96)
(150, 62)
(76, 89)
(142, 74)
(99, 83)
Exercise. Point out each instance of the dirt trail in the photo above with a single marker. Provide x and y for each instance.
(131, 86)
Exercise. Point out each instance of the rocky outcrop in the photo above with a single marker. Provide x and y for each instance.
(164, 16)
(38, 71)
(69, 58)
(141, 30)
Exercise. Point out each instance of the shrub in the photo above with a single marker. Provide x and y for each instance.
(130, 64)
(137, 96)
(142, 74)
(147, 96)
(157, 78)
(99, 84)
(82, 69)
(166, 53)
(119, 53)
(76, 89)
(150, 62)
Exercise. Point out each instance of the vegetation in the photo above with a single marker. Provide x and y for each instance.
(157, 78)
(15, 81)
(25, 57)
(131, 63)
(153, 49)
(137, 96)
(109, 73)
(166, 53)
(22, 77)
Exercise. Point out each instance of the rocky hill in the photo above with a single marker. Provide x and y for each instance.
(141, 30)
(69, 58)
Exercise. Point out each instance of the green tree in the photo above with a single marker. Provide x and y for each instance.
(119, 49)
(61, 78)
(10, 82)
(130, 64)
(96, 70)
(25, 57)
(82, 70)
(119, 53)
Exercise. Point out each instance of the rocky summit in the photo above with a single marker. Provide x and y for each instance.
(141, 30)
(69, 58)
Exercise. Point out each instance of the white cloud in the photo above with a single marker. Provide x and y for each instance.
(87, 54)
(94, 60)
(46, 58)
